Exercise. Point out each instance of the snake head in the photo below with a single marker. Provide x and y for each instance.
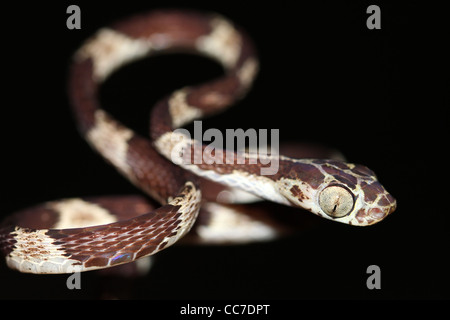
(340, 191)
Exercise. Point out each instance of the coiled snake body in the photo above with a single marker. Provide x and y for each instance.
(46, 240)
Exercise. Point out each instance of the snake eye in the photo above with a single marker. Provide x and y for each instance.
(336, 201)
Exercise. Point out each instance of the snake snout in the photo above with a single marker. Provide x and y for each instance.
(393, 206)
(377, 211)
(388, 202)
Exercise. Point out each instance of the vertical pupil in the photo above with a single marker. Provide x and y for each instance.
(336, 201)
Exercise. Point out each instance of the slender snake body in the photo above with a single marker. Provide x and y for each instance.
(47, 239)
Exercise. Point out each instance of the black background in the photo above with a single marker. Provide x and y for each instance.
(376, 95)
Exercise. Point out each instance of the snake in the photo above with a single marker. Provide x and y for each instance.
(87, 234)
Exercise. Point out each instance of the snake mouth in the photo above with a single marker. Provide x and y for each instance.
(369, 216)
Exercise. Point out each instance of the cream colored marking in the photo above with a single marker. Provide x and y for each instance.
(248, 72)
(110, 138)
(173, 145)
(228, 226)
(257, 185)
(35, 252)
(144, 265)
(110, 49)
(76, 213)
(223, 43)
(180, 111)
(309, 193)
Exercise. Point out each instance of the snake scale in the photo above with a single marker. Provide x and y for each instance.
(80, 235)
